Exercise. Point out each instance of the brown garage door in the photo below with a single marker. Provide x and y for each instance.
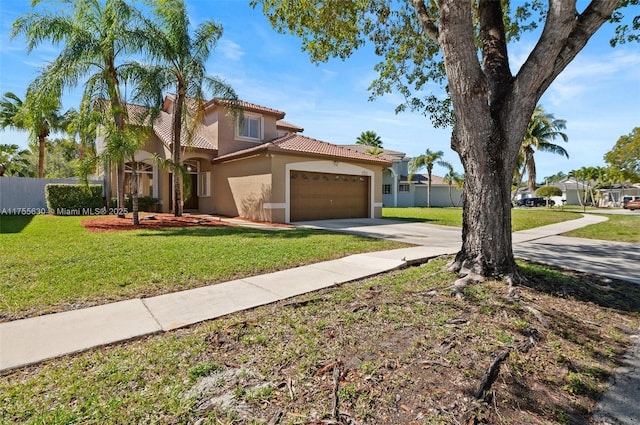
(319, 196)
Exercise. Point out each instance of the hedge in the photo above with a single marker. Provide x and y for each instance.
(73, 199)
(145, 203)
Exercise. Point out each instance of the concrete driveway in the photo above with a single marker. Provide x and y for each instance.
(618, 260)
(416, 233)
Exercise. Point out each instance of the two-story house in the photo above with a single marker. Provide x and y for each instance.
(261, 168)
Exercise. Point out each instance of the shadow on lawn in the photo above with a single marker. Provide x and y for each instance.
(600, 290)
(14, 223)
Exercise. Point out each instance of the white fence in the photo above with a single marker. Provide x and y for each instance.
(25, 192)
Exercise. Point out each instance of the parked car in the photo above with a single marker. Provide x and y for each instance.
(633, 205)
(534, 202)
(627, 199)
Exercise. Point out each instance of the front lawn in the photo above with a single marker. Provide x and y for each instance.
(620, 228)
(51, 263)
(393, 349)
(522, 219)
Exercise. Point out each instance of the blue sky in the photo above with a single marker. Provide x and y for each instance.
(598, 94)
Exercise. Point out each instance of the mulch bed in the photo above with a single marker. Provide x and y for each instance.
(154, 221)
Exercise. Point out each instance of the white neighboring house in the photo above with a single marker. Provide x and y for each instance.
(613, 196)
(397, 191)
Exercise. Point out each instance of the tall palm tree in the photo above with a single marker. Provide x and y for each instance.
(180, 58)
(542, 130)
(39, 114)
(94, 34)
(369, 138)
(427, 160)
(453, 178)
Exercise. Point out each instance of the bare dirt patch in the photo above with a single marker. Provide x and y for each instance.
(402, 350)
(149, 221)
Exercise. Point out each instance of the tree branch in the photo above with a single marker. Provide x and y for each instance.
(565, 34)
(428, 25)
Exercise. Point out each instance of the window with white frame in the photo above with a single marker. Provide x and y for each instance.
(403, 187)
(204, 186)
(145, 178)
(386, 189)
(250, 127)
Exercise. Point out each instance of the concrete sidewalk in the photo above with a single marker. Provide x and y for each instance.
(28, 341)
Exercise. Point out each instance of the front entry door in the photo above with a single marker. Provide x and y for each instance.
(191, 203)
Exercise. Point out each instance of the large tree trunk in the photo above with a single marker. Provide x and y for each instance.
(486, 219)
(492, 109)
(487, 147)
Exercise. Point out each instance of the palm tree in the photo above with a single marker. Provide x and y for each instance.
(181, 58)
(39, 114)
(93, 34)
(452, 178)
(543, 128)
(427, 160)
(369, 138)
(14, 161)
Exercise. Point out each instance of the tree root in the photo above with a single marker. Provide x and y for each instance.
(491, 375)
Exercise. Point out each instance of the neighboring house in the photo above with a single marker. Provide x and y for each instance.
(613, 196)
(397, 191)
(573, 192)
(261, 169)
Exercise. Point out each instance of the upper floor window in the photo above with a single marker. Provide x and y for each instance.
(250, 127)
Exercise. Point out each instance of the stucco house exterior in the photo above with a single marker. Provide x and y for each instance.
(398, 191)
(259, 168)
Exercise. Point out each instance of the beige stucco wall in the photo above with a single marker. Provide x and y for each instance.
(227, 141)
(241, 187)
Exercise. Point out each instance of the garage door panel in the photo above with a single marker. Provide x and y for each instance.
(317, 196)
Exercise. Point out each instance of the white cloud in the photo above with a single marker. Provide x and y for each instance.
(230, 50)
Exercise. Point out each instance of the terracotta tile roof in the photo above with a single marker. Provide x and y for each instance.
(388, 153)
(139, 114)
(248, 106)
(288, 126)
(296, 143)
(162, 128)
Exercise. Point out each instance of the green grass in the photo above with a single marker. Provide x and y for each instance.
(618, 228)
(51, 263)
(393, 350)
(522, 219)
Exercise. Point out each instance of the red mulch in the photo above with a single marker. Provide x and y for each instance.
(113, 224)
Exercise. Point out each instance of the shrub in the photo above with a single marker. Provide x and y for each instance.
(145, 203)
(75, 199)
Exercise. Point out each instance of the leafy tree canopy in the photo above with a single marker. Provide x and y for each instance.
(548, 191)
(625, 155)
(15, 161)
(335, 29)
